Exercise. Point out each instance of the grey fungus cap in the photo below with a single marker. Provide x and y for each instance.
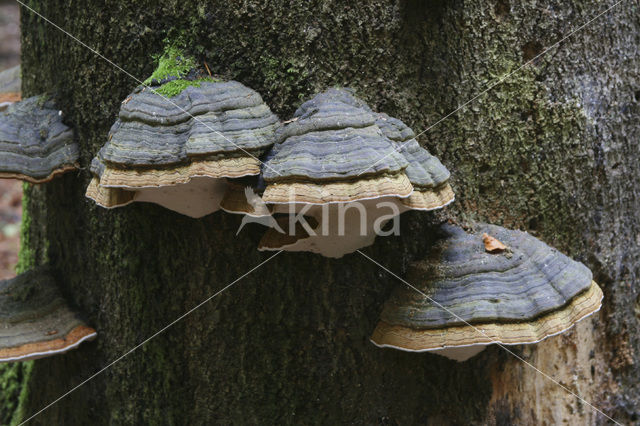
(322, 155)
(519, 295)
(179, 152)
(35, 145)
(337, 157)
(430, 179)
(35, 321)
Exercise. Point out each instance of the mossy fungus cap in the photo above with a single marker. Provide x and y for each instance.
(35, 145)
(214, 120)
(10, 87)
(476, 297)
(35, 321)
(208, 129)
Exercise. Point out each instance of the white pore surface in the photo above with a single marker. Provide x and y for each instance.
(459, 353)
(456, 353)
(197, 198)
(342, 227)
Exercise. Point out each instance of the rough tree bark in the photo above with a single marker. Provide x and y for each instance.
(553, 150)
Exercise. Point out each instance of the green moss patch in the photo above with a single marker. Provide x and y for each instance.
(172, 63)
(176, 87)
(12, 378)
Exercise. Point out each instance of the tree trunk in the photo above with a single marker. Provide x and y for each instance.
(552, 150)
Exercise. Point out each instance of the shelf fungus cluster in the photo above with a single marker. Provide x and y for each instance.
(474, 294)
(35, 145)
(179, 152)
(339, 171)
(10, 90)
(35, 321)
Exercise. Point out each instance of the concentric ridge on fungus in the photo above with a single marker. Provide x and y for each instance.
(335, 152)
(335, 137)
(34, 143)
(522, 295)
(487, 333)
(430, 179)
(35, 321)
(332, 138)
(211, 121)
(338, 192)
(206, 133)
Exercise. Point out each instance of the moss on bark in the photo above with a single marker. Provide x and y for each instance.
(12, 376)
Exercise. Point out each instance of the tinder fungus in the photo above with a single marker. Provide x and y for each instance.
(430, 179)
(35, 321)
(342, 164)
(10, 90)
(175, 143)
(35, 145)
(473, 297)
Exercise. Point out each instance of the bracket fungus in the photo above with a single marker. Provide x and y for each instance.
(340, 163)
(34, 143)
(520, 295)
(178, 151)
(10, 90)
(35, 321)
(429, 178)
